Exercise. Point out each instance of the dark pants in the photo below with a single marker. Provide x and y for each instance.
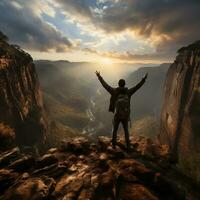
(116, 123)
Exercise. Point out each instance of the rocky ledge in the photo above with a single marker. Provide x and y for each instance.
(83, 170)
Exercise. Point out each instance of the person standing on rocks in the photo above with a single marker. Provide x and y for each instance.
(120, 105)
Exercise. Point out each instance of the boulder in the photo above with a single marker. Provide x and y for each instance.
(8, 156)
(7, 179)
(69, 186)
(106, 186)
(30, 189)
(137, 169)
(126, 176)
(168, 188)
(86, 194)
(46, 160)
(145, 174)
(50, 182)
(52, 150)
(53, 170)
(108, 179)
(79, 145)
(22, 164)
(136, 191)
(103, 142)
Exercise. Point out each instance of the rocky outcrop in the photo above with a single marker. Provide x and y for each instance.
(82, 170)
(180, 127)
(21, 104)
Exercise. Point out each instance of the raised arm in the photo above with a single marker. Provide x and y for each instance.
(132, 90)
(103, 82)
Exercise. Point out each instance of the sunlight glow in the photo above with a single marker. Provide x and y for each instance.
(107, 61)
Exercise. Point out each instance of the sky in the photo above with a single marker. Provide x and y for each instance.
(106, 31)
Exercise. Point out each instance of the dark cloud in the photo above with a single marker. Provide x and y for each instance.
(27, 29)
(77, 7)
(169, 23)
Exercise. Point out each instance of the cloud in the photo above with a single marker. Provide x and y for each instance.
(168, 24)
(22, 23)
(79, 8)
(130, 57)
(157, 27)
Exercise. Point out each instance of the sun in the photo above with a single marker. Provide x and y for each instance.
(107, 61)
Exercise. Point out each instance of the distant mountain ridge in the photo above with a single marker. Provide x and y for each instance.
(148, 99)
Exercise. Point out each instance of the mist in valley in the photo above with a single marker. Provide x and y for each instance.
(78, 104)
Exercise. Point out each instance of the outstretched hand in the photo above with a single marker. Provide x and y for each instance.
(145, 77)
(97, 73)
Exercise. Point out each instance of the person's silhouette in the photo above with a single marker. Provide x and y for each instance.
(120, 105)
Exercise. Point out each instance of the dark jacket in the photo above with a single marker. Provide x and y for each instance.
(116, 91)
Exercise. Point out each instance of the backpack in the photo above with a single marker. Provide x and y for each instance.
(122, 107)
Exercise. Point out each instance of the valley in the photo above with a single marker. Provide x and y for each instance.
(75, 99)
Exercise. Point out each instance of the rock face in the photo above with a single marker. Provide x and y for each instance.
(21, 104)
(180, 118)
(82, 170)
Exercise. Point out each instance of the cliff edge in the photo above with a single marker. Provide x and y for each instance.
(81, 170)
(21, 103)
(180, 127)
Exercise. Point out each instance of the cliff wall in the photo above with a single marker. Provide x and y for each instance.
(21, 103)
(180, 118)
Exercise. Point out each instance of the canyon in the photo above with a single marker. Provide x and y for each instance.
(79, 168)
